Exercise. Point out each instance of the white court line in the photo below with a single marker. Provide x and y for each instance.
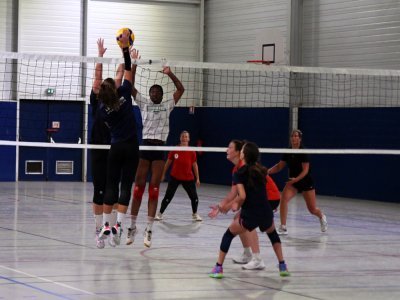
(50, 281)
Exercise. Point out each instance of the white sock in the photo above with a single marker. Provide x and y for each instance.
(256, 256)
(247, 251)
(113, 219)
(98, 220)
(150, 221)
(106, 218)
(120, 217)
(133, 221)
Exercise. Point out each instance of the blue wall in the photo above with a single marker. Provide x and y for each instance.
(8, 124)
(357, 176)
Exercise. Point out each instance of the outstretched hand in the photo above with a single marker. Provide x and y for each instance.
(100, 47)
(135, 54)
(214, 211)
(166, 70)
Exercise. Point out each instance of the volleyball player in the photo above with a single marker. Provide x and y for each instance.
(300, 181)
(100, 134)
(251, 250)
(255, 212)
(184, 164)
(116, 111)
(155, 115)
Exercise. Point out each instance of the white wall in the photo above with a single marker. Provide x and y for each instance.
(353, 33)
(6, 12)
(231, 27)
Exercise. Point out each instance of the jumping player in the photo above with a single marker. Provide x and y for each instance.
(155, 114)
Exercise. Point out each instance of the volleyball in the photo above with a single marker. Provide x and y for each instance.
(119, 35)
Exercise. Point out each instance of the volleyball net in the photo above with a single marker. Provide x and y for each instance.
(45, 102)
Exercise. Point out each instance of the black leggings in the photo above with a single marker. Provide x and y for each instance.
(190, 188)
(99, 174)
(122, 163)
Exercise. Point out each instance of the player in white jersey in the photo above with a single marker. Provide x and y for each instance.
(155, 114)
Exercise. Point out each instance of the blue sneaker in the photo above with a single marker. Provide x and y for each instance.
(283, 271)
(217, 272)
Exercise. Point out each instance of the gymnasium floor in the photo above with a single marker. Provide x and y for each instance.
(47, 251)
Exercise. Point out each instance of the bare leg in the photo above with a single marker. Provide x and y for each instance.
(287, 194)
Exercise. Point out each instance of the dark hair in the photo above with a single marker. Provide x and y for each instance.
(108, 94)
(298, 131)
(238, 144)
(256, 171)
(157, 86)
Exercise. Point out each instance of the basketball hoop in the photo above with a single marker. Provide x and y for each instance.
(259, 62)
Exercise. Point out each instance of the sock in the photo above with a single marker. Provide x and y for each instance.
(113, 219)
(150, 221)
(99, 221)
(256, 256)
(247, 251)
(106, 218)
(120, 217)
(219, 265)
(133, 221)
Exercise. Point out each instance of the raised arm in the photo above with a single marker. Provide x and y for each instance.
(98, 72)
(135, 56)
(126, 51)
(119, 75)
(179, 87)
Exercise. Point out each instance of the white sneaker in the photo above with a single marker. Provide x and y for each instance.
(130, 237)
(158, 217)
(196, 217)
(324, 223)
(242, 259)
(254, 264)
(99, 242)
(117, 232)
(282, 230)
(147, 238)
(104, 231)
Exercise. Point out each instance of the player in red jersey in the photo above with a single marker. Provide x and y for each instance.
(184, 171)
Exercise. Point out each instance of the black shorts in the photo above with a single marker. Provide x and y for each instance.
(304, 185)
(274, 204)
(251, 222)
(151, 155)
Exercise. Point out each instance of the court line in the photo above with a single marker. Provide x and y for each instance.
(45, 280)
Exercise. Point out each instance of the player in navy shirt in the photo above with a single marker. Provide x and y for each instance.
(117, 112)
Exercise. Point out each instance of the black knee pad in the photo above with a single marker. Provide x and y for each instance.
(274, 237)
(226, 241)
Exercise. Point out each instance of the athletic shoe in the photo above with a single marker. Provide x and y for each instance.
(254, 264)
(130, 237)
(324, 223)
(283, 271)
(99, 242)
(242, 259)
(217, 272)
(104, 231)
(117, 232)
(196, 217)
(282, 230)
(158, 217)
(147, 238)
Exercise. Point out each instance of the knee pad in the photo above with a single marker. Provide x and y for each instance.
(98, 197)
(226, 241)
(138, 192)
(153, 192)
(274, 237)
